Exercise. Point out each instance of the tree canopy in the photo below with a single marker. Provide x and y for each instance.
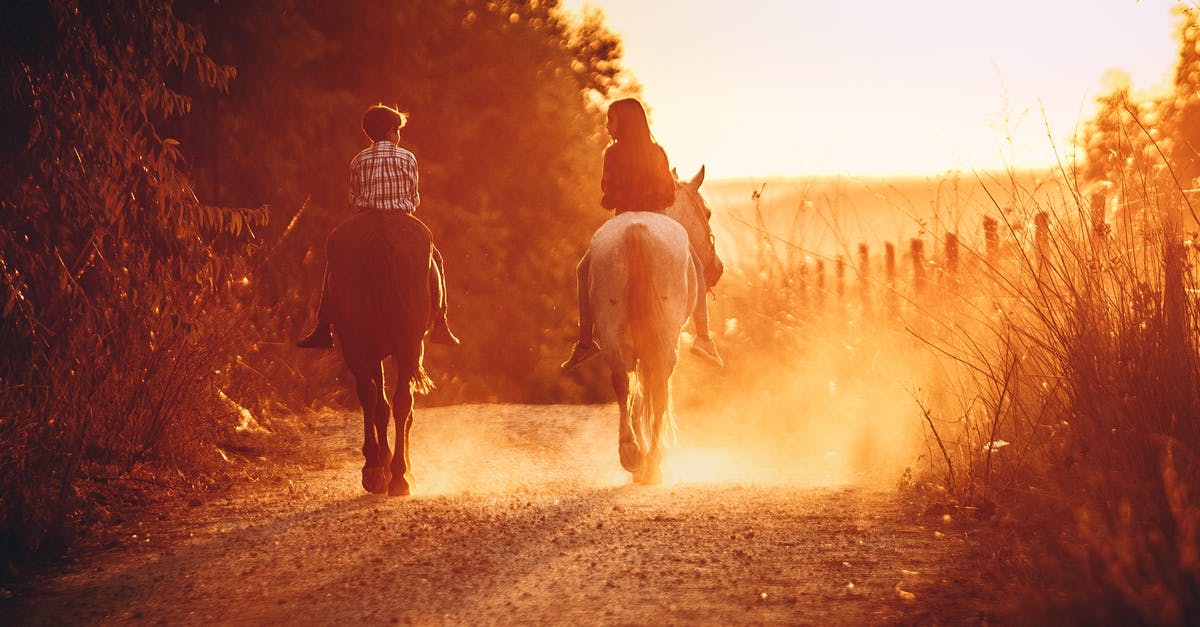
(504, 126)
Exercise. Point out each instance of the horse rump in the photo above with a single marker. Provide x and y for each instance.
(380, 300)
(646, 315)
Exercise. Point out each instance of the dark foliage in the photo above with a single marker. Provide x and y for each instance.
(140, 314)
(509, 153)
(109, 266)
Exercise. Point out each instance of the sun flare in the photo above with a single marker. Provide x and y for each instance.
(885, 88)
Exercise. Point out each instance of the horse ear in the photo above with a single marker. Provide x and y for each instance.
(675, 174)
(698, 179)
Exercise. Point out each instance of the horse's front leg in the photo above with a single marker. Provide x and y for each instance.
(402, 403)
(627, 445)
(369, 386)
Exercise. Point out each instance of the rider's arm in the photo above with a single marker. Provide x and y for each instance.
(611, 195)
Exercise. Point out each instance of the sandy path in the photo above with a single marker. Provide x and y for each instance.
(521, 514)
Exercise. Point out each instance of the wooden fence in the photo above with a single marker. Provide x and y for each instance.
(956, 270)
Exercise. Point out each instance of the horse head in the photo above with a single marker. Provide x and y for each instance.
(691, 210)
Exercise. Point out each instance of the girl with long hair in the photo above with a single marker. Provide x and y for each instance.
(636, 177)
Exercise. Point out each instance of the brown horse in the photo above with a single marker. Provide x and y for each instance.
(380, 305)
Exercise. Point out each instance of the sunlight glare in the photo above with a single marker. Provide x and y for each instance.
(876, 87)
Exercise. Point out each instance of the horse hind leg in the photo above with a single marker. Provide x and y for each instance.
(383, 416)
(627, 445)
(369, 386)
(402, 403)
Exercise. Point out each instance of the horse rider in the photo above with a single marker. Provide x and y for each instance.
(636, 177)
(384, 176)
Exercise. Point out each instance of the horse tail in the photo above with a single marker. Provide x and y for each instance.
(418, 380)
(405, 310)
(380, 266)
(651, 345)
(655, 387)
(645, 308)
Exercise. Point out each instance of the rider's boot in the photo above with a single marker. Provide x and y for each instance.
(704, 348)
(582, 352)
(441, 334)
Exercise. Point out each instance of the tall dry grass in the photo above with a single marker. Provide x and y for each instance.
(104, 412)
(1090, 374)
(1049, 360)
(152, 387)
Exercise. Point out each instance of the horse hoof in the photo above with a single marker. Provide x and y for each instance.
(631, 457)
(375, 480)
(398, 489)
(648, 476)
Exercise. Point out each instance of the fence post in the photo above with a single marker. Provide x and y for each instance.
(820, 296)
(991, 241)
(917, 249)
(840, 266)
(952, 253)
(889, 266)
(951, 271)
(1100, 227)
(864, 276)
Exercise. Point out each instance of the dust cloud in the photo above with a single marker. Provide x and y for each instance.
(829, 399)
(817, 391)
(831, 414)
(494, 448)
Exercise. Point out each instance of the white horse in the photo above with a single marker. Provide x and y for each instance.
(644, 282)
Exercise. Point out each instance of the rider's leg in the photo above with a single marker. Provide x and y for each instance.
(440, 332)
(582, 278)
(585, 347)
(322, 336)
(703, 345)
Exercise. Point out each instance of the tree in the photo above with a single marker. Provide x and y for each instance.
(504, 123)
(107, 258)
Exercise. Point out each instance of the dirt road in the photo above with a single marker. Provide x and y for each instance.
(521, 514)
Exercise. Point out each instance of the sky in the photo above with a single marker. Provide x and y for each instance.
(761, 88)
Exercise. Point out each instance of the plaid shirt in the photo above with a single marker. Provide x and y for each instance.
(627, 186)
(384, 176)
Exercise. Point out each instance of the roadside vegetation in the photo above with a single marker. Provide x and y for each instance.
(1039, 330)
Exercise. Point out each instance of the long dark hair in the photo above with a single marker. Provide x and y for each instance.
(632, 126)
(633, 132)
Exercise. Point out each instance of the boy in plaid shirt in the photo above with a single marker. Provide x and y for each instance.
(384, 176)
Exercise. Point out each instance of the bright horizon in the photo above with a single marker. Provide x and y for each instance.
(878, 88)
